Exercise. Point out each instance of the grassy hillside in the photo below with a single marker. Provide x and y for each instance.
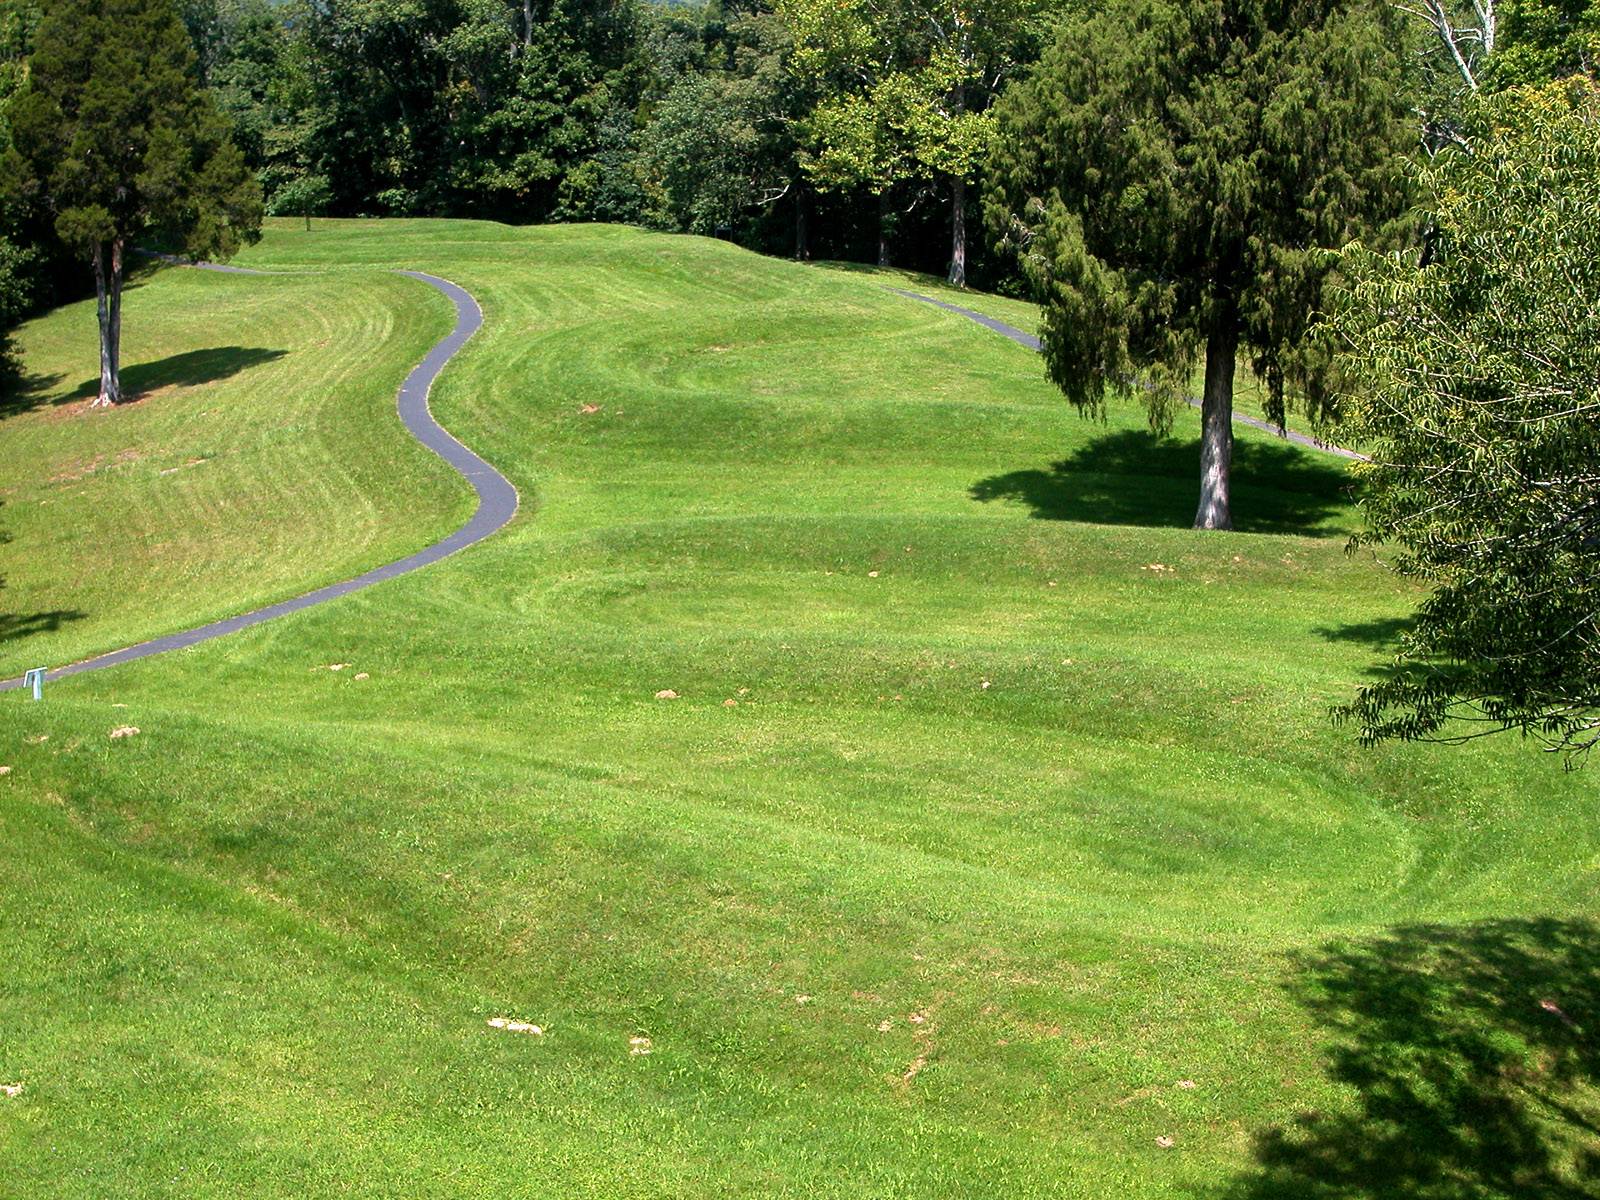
(263, 456)
(995, 809)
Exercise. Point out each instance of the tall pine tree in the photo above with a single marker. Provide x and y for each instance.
(1175, 174)
(117, 139)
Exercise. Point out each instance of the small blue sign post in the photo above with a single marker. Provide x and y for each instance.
(35, 680)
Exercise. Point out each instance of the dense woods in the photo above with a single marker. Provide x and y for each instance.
(857, 129)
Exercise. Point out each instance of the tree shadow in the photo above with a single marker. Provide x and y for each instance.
(14, 627)
(189, 369)
(24, 391)
(1378, 634)
(1475, 1054)
(1133, 477)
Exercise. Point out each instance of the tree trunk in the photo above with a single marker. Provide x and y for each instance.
(883, 229)
(802, 246)
(527, 25)
(958, 233)
(108, 308)
(1216, 419)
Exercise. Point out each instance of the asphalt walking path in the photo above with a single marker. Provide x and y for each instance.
(497, 498)
(1032, 343)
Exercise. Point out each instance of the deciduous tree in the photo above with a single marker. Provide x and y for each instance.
(1538, 41)
(1473, 46)
(849, 56)
(904, 90)
(1474, 379)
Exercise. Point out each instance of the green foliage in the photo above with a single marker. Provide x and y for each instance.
(700, 148)
(116, 139)
(1173, 165)
(246, 61)
(606, 185)
(16, 297)
(446, 106)
(1464, 47)
(1539, 41)
(903, 88)
(20, 259)
(302, 196)
(1472, 378)
(18, 18)
(848, 54)
(520, 114)
(719, 143)
(683, 117)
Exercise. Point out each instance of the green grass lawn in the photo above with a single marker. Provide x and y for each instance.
(996, 807)
(264, 458)
(1250, 394)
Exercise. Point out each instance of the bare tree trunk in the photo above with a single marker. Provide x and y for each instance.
(958, 233)
(116, 315)
(1216, 419)
(883, 228)
(802, 245)
(1438, 15)
(108, 308)
(527, 24)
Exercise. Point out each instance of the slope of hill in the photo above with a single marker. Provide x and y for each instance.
(993, 838)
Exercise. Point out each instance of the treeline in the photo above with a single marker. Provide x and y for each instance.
(806, 128)
(816, 128)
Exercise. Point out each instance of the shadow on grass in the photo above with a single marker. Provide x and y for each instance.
(189, 369)
(861, 268)
(1135, 478)
(1474, 1051)
(1378, 634)
(16, 626)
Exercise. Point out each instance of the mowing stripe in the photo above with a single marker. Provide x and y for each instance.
(1032, 343)
(497, 498)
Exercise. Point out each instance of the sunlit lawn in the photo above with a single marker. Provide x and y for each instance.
(996, 808)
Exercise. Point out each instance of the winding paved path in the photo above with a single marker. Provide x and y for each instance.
(1032, 343)
(497, 498)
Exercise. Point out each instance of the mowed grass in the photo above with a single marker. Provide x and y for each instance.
(261, 456)
(995, 809)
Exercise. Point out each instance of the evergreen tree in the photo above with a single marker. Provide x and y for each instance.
(1175, 174)
(19, 256)
(116, 138)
